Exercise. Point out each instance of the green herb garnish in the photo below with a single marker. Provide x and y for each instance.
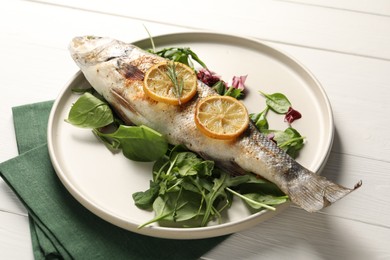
(188, 191)
(290, 139)
(178, 85)
(182, 55)
(221, 89)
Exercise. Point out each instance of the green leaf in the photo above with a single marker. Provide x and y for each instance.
(188, 206)
(279, 136)
(90, 112)
(186, 163)
(138, 143)
(289, 140)
(257, 200)
(256, 204)
(183, 55)
(145, 199)
(219, 87)
(195, 57)
(234, 92)
(82, 90)
(217, 192)
(188, 191)
(277, 102)
(260, 120)
(176, 207)
(233, 181)
(256, 184)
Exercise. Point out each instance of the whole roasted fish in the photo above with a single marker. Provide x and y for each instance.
(116, 70)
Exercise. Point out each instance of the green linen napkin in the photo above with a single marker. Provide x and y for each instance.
(61, 228)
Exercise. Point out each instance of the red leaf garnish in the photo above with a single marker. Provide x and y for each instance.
(292, 115)
(208, 77)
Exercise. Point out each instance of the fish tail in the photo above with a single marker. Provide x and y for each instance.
(313, 192)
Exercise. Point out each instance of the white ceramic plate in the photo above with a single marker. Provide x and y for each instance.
(104, 182)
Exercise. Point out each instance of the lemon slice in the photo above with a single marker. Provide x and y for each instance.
(159, 85)
(221, 117)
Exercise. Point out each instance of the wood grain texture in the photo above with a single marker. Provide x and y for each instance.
(303, 25)
(15, 241)
(306, 236)
(377, 7)
(9, 202)
(343, 43)
(357, 88)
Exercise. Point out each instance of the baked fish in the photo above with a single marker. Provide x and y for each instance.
(116, 71)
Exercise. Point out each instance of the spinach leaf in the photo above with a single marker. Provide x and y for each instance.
(258, 200)
(294, 144)
(259, 193)
(138, 143)
(260, 120)
(145, 199)
(277, 102)
(187, 163)
(183, 55)
(289, 140)
(176, 207)
(182, 176)
(82, 90)
(90, 112)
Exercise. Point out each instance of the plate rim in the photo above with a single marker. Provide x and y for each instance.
(198, 232)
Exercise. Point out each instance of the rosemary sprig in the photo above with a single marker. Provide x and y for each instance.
(178, 85)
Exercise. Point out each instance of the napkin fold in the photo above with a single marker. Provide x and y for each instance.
(61, 228)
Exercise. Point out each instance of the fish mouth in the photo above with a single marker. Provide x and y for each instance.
(83, 44)
(86, 50)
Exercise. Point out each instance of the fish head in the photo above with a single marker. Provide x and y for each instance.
(89, 50)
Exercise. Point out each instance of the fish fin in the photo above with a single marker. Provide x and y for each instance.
(314, 192)
(121, 105)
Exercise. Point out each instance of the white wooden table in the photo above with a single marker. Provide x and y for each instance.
(346, 44)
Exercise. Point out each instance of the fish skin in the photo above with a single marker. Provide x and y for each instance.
(116, 69)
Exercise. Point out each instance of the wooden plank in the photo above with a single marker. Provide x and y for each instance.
(296, 24)
(367, 204)
(9, 202)
(295, 234)
(15, 240)
(377, 7)
(357, 88)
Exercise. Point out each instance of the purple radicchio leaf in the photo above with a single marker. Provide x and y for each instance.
(292, 115)
(208, 77)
